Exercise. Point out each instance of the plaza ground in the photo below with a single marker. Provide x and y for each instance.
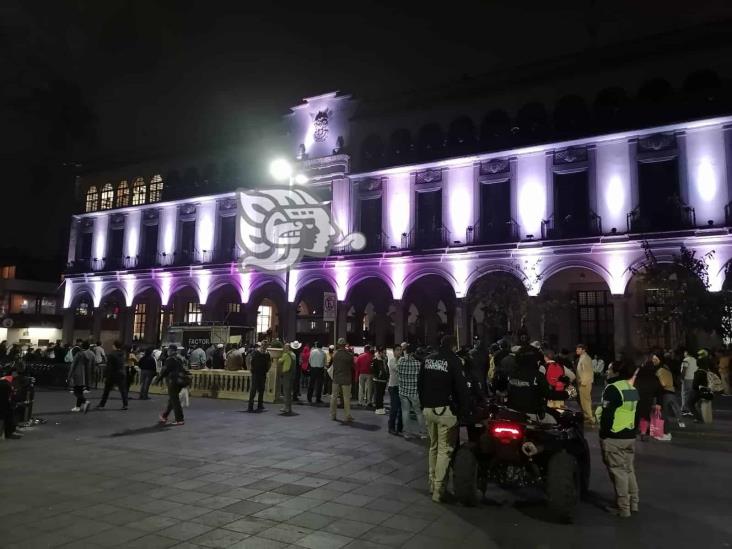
(232, 479)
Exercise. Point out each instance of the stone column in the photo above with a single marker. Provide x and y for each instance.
(398, 321)
(533, 319)
(462, 324)
(151, 322)
(96, 333)
(381, 326)
(621, 323)
(166, 321)
(288, 321)
(68, 326)
(126, 318)
(342, 321)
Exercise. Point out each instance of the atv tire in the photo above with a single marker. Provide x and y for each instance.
(563, 485)
(465, 476)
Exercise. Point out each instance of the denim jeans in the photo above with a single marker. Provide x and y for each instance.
(146, 377)
(412, 403)
(686, 388)
(395, 410)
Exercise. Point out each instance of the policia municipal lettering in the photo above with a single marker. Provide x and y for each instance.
(618, 420)
(443, 393)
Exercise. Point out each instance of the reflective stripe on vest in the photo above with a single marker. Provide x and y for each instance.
(625, 414)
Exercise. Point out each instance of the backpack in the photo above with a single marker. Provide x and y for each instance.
(714, 382)
(554, 371)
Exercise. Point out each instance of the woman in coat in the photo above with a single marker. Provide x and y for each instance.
(650, 393)
(77, 379)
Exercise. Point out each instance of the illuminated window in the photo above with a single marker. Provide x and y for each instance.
(138, 325)
(92, 196)
(194, 315)
(7, 272)
(20, 303)
(156, 188)
(138, 192)
(123, 195)
(107, 197)
(83, 308)
(233, 307)
(264, 318)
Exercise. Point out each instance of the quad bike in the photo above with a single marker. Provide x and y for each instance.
(512, 449)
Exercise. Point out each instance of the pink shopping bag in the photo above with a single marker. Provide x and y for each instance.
(644, 426)
(656, 424)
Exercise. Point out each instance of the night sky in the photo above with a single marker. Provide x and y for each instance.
(98, 82)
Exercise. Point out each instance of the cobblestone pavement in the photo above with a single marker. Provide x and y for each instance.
(230, 479)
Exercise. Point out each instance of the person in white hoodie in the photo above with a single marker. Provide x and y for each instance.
(688, 369)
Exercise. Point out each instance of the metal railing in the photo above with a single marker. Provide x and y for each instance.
(571, 226)
(428, 237)
(492, 233)
(675, 216)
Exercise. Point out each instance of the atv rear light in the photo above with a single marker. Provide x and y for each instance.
(506, 431)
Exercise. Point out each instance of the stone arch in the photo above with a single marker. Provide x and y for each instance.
(507, 268)
(225, 292)
(372, 296)
(560, 266)
(269, 291)
(497, 303)
(444, 273)
(425, 289)
(358, 278)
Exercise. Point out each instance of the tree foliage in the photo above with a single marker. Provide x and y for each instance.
(679, 304)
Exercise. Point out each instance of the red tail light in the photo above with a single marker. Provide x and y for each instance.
(506, 431)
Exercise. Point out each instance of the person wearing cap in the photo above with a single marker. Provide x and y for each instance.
(527, 386)
(295, 346)
(342, 377)
(443, 393)
(585, 378)
(218, 360)
(261, 361)
(174, 373)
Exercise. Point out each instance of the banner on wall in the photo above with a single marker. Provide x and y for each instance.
(330, 305)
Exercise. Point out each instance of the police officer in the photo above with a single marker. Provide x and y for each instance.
(617, 417)
(527, 385)
(443, 393)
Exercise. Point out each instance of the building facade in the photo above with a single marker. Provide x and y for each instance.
(545, 235)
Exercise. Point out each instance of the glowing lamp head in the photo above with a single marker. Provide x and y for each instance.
(280, 169)
(301, 179)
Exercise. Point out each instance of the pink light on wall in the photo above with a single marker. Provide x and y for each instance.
(398, 274)
(398, 202)
(612, 165)
(342, 271)
(132, 233)
(99, 238)
(98, 291)
(292, 286)
(130, 284)
(165, 284)
(459, 201)
(245, 281)
(705, 160)
(205, 226)
(68, 293)
(168, 219)
(531, 184)
(461, 271)
(617, 266)
(203, 279)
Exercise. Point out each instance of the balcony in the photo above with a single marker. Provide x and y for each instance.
(673, 215)
(571, 226)
(426, 237)
(375, 243)
(492, 232)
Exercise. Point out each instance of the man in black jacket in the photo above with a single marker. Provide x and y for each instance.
(527, 385)
(260, 366)
(115, 375)
(443, 393)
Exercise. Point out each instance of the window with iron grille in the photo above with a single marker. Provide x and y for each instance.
(123, 195)
(156, 188)
(138, 331)
(596, 321)
(194, 315)
(92, 196)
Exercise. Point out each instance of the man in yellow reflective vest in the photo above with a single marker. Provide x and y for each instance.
(617, 417)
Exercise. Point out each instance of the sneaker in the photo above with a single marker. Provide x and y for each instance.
(87, 391)
(682, 425)
(664, 438)
(380, 412)
(687, 414)
(85, 407)
(177, 423)
(76, 409)
(423, 436)
(621, 513)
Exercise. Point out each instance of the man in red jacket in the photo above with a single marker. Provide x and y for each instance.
(365, 377)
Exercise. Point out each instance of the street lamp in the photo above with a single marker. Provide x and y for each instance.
(280, 169)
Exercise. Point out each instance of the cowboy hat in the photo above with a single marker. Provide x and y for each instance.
(295, 345)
